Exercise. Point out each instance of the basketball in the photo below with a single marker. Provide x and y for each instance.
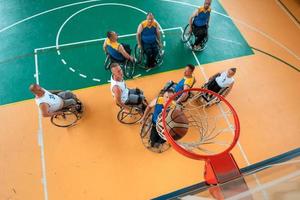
(177, 123)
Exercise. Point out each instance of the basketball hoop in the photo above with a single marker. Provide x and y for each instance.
(212, 132)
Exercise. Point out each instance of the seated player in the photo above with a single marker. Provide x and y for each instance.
(148, 38)
(117, 52)
(199, 22)
(186, 82)
(221, 81)
(50, 103)
(124, 96)
(158, 105)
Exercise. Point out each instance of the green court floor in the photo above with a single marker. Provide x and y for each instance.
(77, 66)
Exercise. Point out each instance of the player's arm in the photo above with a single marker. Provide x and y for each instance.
(44, 107)
(104, 46)
(148, 109)
(158, 36)
(184, 95)
(214, 76)
(124, 53)
(228, 90)
(208, 20)
(117, 94)
(192, 18)
(139, 35)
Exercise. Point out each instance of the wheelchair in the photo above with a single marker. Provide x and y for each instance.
(127, 65)
(140, 56)
(131, 116)
(70, 115)
(189, 39)
(145, 136)
(209, 99)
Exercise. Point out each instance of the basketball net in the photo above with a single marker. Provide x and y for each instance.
(213, 130)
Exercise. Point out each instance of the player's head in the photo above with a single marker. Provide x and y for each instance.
(207, 4)
(189, 69)
(112, 35)
(231, 72)
(36, 89)
(167, 94)
(116, 71)
(150, 18)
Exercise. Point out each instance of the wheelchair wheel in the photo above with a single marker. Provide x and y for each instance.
(145, 137)
(146, 127)
(138, 55)
(129, 116)
(129, 69)
(186, 35)
(160, 57)
(67, 119)
(107, 63)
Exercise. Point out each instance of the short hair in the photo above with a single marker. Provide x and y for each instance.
(149, 13)
(33, 86)
(233, 69)
(109, 34)
(113, 65)
(192, 67)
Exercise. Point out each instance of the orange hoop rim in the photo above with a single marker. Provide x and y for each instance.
(190, 154)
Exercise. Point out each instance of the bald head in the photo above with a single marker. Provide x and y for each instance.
(117, 71)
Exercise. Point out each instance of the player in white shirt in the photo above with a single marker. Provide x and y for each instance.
(222, 80)
(124, 96)
(49, 103)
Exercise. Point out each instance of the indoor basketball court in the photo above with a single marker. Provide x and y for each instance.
(58, 44)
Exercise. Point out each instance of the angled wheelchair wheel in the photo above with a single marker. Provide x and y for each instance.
(129, 116)
(186, 35)
(129, 69)
(67, 119)
(160, 57)
(107, 62)
(146, 128)
(145, 137)
(138, 53)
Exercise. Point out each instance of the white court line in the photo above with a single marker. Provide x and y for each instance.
(288, 14)
(86, 8)
(97, 40)
(40, 134)
(136, 76)
(245, 24)
(265, 186)
(97, 80)
(71, 69)
(228, 122)
(45, 12)
(63, 61)
(83, 76)
(226, 40)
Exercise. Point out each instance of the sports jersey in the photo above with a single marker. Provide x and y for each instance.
(224, 81)
(159, 107)
(122, 86)
(184, 81)
(112, 48)
(149, 32)
(55, 102)
(203, 16)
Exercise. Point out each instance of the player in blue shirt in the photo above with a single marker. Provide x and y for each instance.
(199, 22)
